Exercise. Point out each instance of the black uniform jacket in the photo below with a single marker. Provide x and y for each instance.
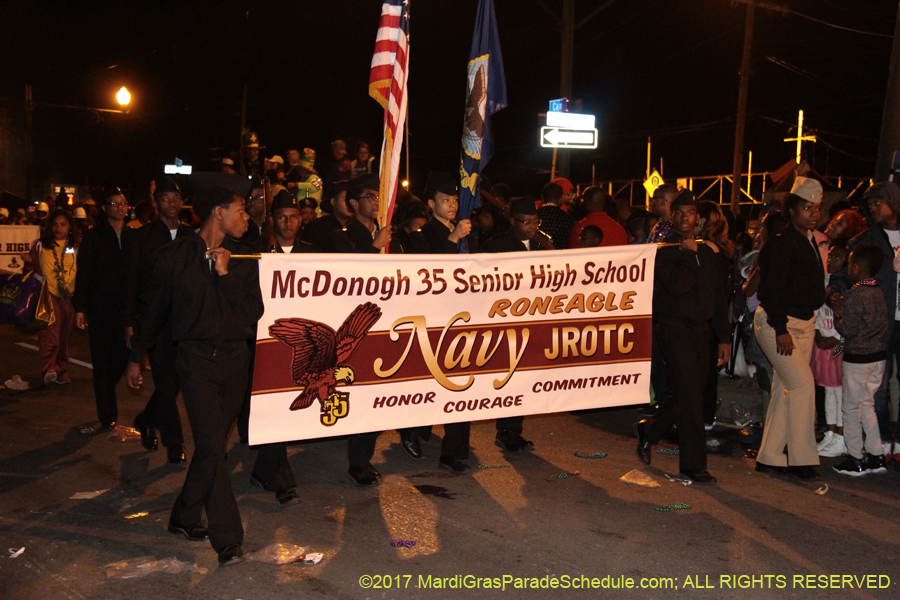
(688, 288)
(218, 311)
(507, 242)
(431, 239)
(100, 280)
(141, 258)
(792, 280)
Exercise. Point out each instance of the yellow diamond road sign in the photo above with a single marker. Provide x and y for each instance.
(654, 181)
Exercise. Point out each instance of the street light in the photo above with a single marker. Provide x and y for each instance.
(123, 97)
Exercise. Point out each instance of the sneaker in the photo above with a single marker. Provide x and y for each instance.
(837, 447)
(850, 466)
(874, 463)
(63, 380)
(50, 377)
(825, 440)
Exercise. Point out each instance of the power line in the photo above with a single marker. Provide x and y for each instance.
(820, 21)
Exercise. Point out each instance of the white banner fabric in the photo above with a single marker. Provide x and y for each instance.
(357, 343)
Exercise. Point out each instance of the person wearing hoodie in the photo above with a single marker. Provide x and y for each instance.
(881, 202)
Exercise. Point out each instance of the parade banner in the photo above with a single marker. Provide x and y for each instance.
(357, 343)
(14, 240)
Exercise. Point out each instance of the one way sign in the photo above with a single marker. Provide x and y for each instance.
(558, 137)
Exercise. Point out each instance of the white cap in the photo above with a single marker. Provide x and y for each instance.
(43, 206)
(276, 159)
(808, 189)
(228, 161)
(80, 213)
(4, 212)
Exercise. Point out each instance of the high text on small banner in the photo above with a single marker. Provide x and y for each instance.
(14, 240)
(357, 343)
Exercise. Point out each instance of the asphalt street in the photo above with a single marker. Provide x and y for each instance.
(539, 518)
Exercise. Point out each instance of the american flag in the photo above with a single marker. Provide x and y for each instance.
(387, 84)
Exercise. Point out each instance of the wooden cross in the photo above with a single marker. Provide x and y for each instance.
(800, 137)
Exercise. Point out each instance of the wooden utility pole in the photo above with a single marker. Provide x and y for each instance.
(566, 54)
(890, 120)
(242, 171)
(741, 120)
(29, 143)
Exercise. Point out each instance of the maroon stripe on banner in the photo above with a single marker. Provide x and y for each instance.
(551, 344)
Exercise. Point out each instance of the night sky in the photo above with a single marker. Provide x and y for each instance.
(664, 68)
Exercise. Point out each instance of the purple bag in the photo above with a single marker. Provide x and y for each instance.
(19, 295)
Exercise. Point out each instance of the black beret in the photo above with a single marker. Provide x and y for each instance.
(444, 183)
(284, 199)
(356, 185)
(112, 190)
(207, 180)
(523, 206)
(684, 198)
(166, 184)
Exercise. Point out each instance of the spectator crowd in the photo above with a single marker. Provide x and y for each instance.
(810, 297)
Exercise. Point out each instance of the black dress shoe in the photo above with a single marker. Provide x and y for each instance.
(453, 464)
(701, 477)
(804, 473)
(364, 476)
(261, 483)
(770, 469)
(287, 497)
(175, 452)
(511, 441)
(231, 555)
(107, 424)
(409, 441)
(194, 533)
(643, 446)
(148, 435)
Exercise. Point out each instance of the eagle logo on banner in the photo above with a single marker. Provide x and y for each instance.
(320, 356)
(473, 129)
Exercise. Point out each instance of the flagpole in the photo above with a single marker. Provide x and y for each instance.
(407, 136)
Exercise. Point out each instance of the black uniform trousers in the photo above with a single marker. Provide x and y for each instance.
(513, 424)
(659, 378)
(213, 383)
(162, 410)
(361, 448)
(109, 357)
(456, 438)
(686, 352)
(271, 465)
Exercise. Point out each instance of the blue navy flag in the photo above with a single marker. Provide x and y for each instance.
(485, 95)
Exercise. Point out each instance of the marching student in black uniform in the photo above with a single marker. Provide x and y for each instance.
(271, 471)
(256, 232)
(331, 227)
(99, 299)
(689, 306)
(439, 236)
(218, 303)
(161, 411)
(364, 232)
(519, 238)
(362, 236)
(287, 215)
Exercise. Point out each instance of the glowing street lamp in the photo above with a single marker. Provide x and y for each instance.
(123, 97)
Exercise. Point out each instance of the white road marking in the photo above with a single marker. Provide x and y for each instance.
(74, 361)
